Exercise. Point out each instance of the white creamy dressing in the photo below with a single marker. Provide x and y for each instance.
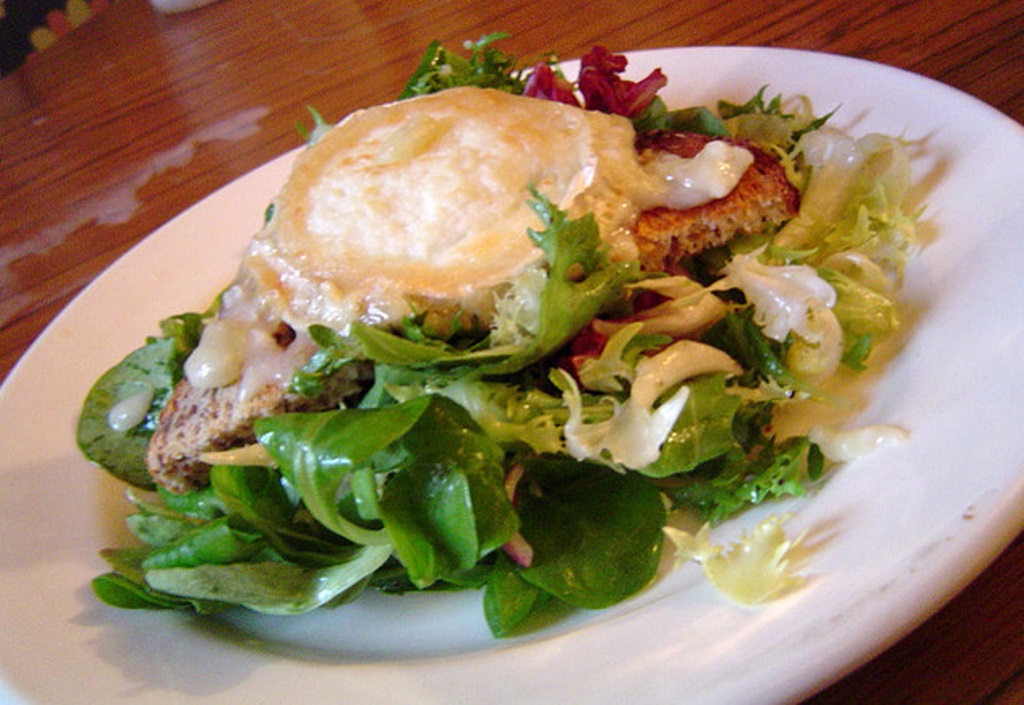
(849, 444)
(267, 363)
(681, 183)
(217, 360)
(233, 351)
(424, 202)
(240, 347)
(129, 412)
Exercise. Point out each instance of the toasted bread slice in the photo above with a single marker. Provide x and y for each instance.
(763, 197)
(199, 420)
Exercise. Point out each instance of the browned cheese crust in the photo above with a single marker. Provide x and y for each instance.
(763, 197)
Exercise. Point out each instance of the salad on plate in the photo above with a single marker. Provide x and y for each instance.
(498, 335)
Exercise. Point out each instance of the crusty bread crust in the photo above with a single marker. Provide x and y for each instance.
(762, 198)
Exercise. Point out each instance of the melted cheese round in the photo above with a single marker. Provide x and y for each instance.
(423, 203)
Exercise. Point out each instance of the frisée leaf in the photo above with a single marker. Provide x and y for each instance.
(486, 67)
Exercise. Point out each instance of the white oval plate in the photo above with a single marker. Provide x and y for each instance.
(892, 536)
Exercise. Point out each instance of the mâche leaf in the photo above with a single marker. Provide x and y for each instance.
(271, 587)
(596, 534)
(318, 451)
(509, 600)
(148, 370)
(447, 506)
(148, 373)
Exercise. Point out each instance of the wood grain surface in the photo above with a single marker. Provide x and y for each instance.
(137, 115)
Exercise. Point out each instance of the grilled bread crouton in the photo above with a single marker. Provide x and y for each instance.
(197, 420)
(763, 197)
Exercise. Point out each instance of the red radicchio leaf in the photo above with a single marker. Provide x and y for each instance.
(545, 83)
(604, 90)
(519, 551)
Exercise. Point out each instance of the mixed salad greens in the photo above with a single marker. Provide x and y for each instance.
(538, 461)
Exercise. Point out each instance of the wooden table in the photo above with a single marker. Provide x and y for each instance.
(137, 115)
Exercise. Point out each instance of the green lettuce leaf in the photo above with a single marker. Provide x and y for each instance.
(703, 430)
(446, 507)
(596, 534)
(318, 453)
(485, 67)
(153, 369)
